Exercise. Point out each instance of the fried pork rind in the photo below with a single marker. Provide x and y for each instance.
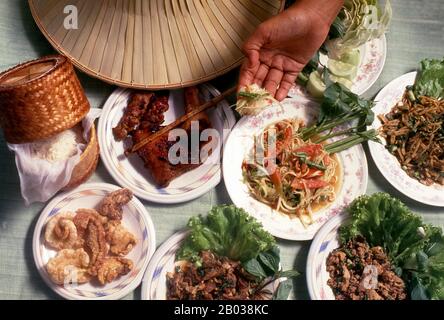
(112, 268)
(69, 266)
(95, 244)
(111, 205)
(61, 232)
(83, 217)
(121, 241)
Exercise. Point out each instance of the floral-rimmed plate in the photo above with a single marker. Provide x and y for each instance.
(131, 173)
(387, 163)
(353, 164)
(135, 218)
(325, 241)
(373, 56)
(154, 282)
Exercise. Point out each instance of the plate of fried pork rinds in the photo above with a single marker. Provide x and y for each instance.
(411, 155)
(94, 242)
(155, 172)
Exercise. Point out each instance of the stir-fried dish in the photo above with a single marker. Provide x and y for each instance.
(289, 174)
(358, 272)
(228, 255)
(414, 131)
(217, 278)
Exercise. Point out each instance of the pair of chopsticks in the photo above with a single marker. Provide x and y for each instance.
(207, 105)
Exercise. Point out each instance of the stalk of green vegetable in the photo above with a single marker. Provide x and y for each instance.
(334, 134)
(304, 158)
(317, 129)
(351, 141)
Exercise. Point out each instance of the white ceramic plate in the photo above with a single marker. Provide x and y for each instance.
(163, 261)
(373, 56)
(135, 218)
(130, 171)
(387, 163)
(325, 241)
(241, 141)
(154, 281)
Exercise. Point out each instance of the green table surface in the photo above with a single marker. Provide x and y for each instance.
(417, 32)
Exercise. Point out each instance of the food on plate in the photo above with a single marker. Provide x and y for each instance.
(120, 240)
(293, 169)
(100, 242)
(59, 147)
(217, 278)
(61, 232)
(358, 22)
(414, 128)
(413, 249)
(111, 205)
(112, 268)
(227, 255)
(69, 266)
(150, 119)
(292, 176)
(358, 272)
(252, 99)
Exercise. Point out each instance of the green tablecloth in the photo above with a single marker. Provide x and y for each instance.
(417, 32)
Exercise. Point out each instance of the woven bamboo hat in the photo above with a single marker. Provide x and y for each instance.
(152, 44)
(40, 98)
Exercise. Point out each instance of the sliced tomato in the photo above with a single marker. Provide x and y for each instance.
(326, 160)
(300, 184)
(282, 144)
(297, 184)
(315, 183)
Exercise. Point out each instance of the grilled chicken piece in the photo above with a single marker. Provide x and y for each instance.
(155, 154)
(133, 114)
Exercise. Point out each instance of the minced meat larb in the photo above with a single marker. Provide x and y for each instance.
(348, 280)
(218, 278)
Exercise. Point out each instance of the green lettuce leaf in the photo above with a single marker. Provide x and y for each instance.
(385, 221)
(430, 79)
(227, 231)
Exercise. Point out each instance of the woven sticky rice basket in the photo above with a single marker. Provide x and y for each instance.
(40, 98)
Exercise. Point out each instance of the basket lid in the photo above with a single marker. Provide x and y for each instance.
(40, 98)
(154, 44)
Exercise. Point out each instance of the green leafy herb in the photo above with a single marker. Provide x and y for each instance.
(266, 264)
(338, 100)
(255, 268)
(430, 79)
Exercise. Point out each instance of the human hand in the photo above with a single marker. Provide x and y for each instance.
(281, 47)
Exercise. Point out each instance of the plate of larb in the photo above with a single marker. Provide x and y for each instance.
(94, 242)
